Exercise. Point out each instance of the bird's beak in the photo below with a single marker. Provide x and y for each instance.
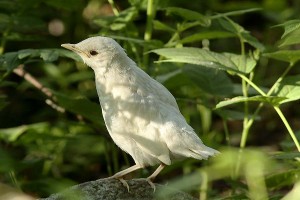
(75, 49)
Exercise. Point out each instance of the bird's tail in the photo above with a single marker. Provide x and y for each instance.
(203, 153)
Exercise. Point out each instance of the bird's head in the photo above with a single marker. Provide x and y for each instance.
(96, 51)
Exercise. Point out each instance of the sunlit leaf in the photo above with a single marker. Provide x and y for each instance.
(273, 100)
(291, 56)
(289, 88)
(203, 57)
(291, 33)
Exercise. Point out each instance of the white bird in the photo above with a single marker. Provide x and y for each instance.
(140, 114)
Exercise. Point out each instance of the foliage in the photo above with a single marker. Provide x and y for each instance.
(236, 82)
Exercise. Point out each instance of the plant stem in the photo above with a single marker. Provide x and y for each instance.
(203, 186)
(148, 32)
(252, 84)
(227, 138)
(280, 78)
(14, 179)
(248, 125)
(288, 127)
(113, 6)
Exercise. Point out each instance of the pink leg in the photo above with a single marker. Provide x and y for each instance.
(120, 174)
(155, 173)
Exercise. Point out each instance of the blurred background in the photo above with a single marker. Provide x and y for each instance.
(48, 143)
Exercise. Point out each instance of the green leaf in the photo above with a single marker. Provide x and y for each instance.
(212, 81)
(291, 56)
(12, 134)
(289, 88)
(151, 43)
(11, 60)
(81, 106)
(291, 33)
(117, 22)
(225, 61)
(206, 35)
(174, 79)
(273, 100)
(239, 31)
(282, 179)
(162, 26)
(189, 15)
(287, 155)
(232, 115)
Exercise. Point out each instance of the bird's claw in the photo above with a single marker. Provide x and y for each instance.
(124, 183)
(149, 181)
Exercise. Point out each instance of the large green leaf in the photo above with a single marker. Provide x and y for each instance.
(289, 88)
(291, 56)
(212, 81)
(225, 61)
(189, 15)
(273, 100)
(291, 33)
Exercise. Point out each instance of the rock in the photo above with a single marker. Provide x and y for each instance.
(112, 189)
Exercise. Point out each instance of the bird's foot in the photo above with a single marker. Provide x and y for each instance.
(125, 184)
(151, 183)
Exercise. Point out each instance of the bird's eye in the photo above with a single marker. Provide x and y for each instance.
(93, 53)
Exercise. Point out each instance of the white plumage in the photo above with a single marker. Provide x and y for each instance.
(141, 115)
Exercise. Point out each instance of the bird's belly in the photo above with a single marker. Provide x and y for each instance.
(132, 129)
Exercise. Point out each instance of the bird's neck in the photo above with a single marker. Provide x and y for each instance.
(113, 74)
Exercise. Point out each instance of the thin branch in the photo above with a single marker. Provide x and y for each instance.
(28, 77)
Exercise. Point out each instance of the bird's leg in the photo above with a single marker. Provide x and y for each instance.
(155, 173)
(122, 173)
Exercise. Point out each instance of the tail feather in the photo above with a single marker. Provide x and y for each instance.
(203, 153)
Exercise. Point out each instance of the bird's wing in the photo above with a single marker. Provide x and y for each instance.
(149, 86)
